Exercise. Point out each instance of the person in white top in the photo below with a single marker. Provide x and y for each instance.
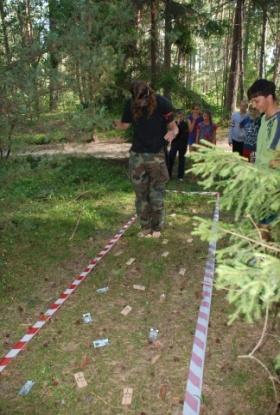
(237, 133)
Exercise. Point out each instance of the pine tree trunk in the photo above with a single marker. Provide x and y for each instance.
(154, 41)
(234, 74)
(247, 29)
(241, 56)
(263, 42)
(276, 72)
(53, 88)
(4, 30)
(167, 44)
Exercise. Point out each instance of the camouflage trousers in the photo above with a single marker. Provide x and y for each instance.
(148, 174)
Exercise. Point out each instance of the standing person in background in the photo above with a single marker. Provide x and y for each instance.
(193, 120)
(206, 130)
(251, 125)
(262, 94)
(152, 120)
(236, 133)
(179, 144)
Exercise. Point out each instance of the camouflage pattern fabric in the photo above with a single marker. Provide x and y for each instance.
(148, 174)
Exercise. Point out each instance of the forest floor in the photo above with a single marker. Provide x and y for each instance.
(58, 214)
(109, 149)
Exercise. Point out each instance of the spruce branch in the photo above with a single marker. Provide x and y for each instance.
(246, 238)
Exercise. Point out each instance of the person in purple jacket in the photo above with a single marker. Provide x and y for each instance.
(193, 120)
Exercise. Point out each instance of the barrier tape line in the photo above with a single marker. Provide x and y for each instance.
(193, 392)
(192, 399)
(54, 307)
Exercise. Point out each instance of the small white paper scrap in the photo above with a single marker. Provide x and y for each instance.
(182, 271)
(80, 379)
(126, 310)
(189, 240)
(118, 253)
(87, 318)
(173, 215)
(100, 343)
(26, 388)
(130, 261)
(139, 287)
(127, 396)
(165, 242)
(165, 254)
(102, 290)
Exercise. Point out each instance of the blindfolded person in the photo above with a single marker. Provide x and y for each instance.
(151, 117)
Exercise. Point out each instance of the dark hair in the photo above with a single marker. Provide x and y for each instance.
(209, 115)
(196, 104)
(262, 87)
(140, 91)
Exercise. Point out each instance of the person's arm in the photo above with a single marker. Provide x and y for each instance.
(191, 124)
(125, 122)
(230, 130)
(172, 131)
(119, 125)
(275, 146)
(197, 135)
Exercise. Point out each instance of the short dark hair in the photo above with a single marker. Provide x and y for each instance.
(262, 87)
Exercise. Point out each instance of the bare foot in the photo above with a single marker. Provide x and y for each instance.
(146, 233)
(156, 234)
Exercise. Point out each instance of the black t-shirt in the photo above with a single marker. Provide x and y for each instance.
(183, 134)
(149, 131)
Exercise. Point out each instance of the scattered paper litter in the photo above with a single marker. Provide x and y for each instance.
(165, 242)
(127, 396)
(80, 379)
(162, 298)
(118, 253)
(26, 388)
(173, 215)
(87, 318)
(102, 290)
(189, 240)
(126, 310)
(100, 343)
(182, 271)
(165, 254)
(130, 261)
(155, 359)
(139, 287)
(163, 391)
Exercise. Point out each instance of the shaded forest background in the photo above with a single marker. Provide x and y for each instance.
(79, 56)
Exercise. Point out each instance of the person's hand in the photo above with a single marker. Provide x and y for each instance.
(169, 136)
(117, 124)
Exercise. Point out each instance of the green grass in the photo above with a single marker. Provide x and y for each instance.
(57, 215)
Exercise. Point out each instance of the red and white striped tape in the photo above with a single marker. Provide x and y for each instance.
(44, 317)
(195, 379)
(193, 393)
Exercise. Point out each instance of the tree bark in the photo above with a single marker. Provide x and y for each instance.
(5, 32)
(167, 44)
(276, 72)
(233, 80)
(241, 56)
(154, 41)
(54, 61)
(263, 42)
